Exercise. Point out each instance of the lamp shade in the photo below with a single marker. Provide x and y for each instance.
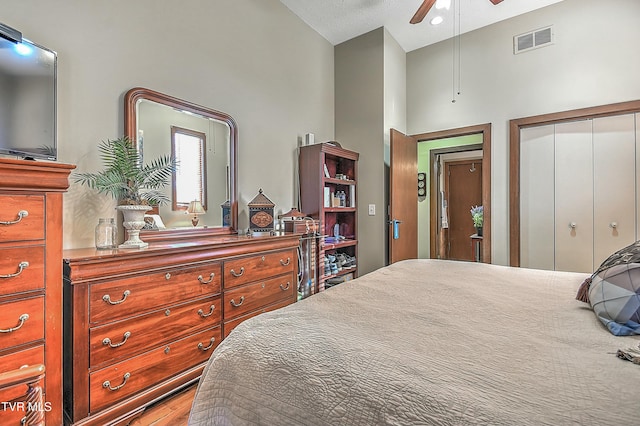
(195, 207)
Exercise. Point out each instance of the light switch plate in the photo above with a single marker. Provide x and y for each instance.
(372, 209)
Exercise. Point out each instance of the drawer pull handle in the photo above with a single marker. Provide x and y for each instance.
(167, 276)
(285, 262)
(203, 315)
(203, 348)
(21, 214)
(233, 302)
(107, 384)
(238, 274)
(23, 318)
(21, 267)
(107, 298)
(107, 341)
(202, 281)
(286, 287)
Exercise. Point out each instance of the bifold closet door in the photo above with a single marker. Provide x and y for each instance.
(574, 196)
(614, 185)
(537, 211)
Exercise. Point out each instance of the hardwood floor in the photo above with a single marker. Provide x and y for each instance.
(173, 411)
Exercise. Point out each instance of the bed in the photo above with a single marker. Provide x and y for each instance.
(425, 342)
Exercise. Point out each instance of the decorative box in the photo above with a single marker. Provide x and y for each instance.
(261, 214)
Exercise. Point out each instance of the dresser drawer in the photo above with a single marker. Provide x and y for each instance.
(118, 299)
(230, 325)
(21, 321)
(27, 227)
(129, 377)
(21, 269)
(242, 300)
(14, 361)
(252, 268)
(112, 342)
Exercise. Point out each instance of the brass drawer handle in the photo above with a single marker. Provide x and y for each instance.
(107, 383)
(202, 281)
(237, 274)
(107, 298)
(204, 348)
(107, 341)
(233, 302)
(21, 267)
(287, 287)
(211, 309)
(21, 214)
(286, 262)
(23, 318)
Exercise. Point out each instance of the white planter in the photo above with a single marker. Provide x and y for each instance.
(133, 222)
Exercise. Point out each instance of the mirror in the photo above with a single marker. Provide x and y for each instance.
(150, 119)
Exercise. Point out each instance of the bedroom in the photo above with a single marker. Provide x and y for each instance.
(280, 80)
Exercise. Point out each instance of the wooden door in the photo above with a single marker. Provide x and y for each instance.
(403, 197)
(463, 190)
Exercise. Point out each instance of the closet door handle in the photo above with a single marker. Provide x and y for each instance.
(613, 225)
(572, 225)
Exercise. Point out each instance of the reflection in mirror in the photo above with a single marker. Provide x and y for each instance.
(203, 141)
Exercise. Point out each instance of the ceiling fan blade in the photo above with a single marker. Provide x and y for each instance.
(495, 1)
(422, 11)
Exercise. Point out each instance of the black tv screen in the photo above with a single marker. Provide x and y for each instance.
(27, 98)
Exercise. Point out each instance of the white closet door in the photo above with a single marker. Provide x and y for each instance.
(574, 196)
(537, 197)
(614, 185)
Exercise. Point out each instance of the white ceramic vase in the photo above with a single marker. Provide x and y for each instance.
(133, 222)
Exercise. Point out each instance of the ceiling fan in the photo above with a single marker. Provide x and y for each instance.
(426, 6)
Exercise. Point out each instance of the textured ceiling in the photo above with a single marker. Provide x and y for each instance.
(342, 20)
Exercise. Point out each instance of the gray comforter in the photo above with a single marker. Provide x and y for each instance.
(425, 342)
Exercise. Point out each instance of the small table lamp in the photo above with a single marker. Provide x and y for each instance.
(195, 208)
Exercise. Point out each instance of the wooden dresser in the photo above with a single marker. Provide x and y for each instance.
(140, 324)
(31, 278)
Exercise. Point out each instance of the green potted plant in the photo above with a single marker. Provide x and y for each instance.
(134, 184)
(477, 215)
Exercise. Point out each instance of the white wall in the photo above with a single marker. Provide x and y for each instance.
(254, 60)
(594, 61)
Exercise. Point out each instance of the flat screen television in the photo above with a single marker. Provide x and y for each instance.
(27, 97)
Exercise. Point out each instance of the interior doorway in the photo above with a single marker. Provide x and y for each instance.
(430, 209)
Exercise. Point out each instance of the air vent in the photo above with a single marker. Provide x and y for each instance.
(533, 40)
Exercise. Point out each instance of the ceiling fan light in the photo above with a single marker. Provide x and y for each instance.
(437, 20)
(443, 4)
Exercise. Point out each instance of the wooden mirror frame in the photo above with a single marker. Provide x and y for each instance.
(131, 99)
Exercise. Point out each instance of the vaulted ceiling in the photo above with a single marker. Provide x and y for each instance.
(341, 20)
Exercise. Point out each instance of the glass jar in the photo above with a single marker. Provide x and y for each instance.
(106, 234)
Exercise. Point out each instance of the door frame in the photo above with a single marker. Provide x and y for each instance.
(485, 130)
(443, 179)
(514, 156)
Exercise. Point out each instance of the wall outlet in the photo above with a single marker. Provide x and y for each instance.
(372, 209)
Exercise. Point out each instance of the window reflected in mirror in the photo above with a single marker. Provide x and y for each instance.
(201, 147)
(188, 149)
